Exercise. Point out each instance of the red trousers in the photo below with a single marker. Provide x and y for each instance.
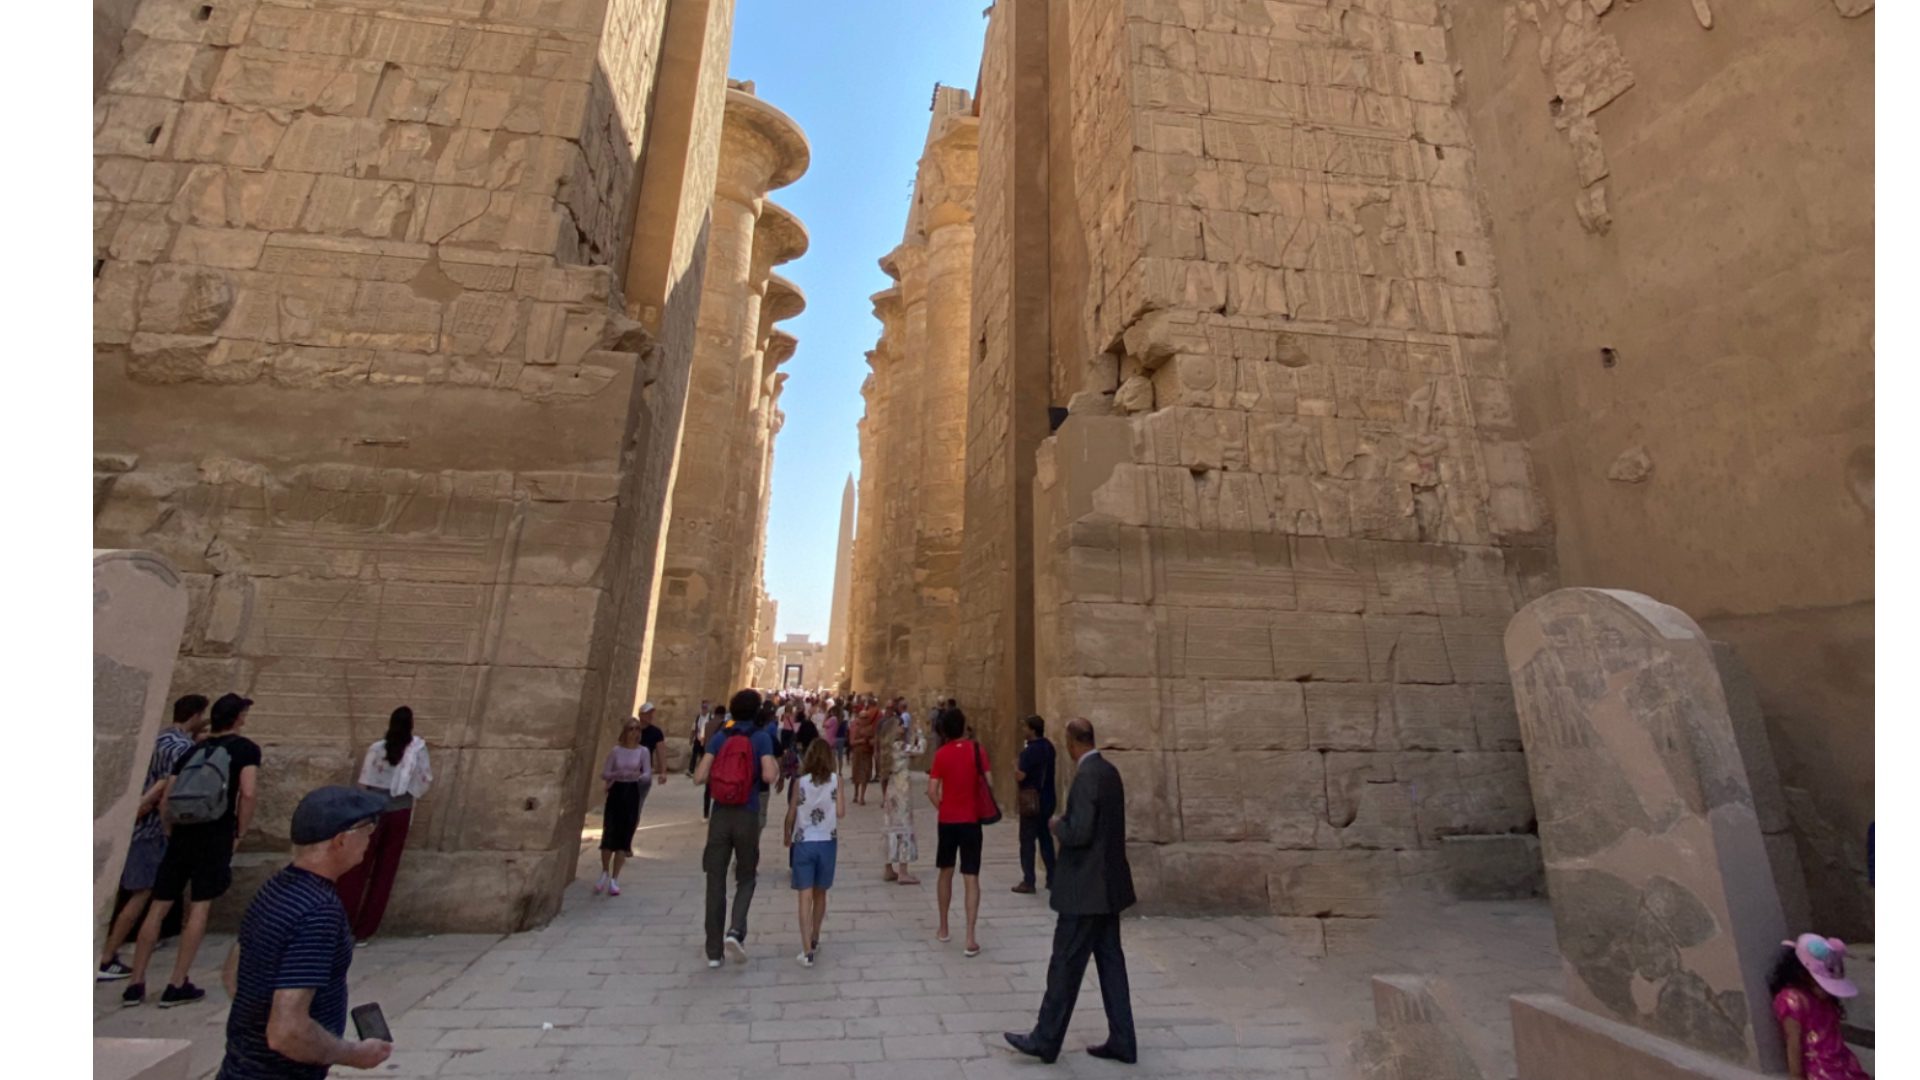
(365, 888)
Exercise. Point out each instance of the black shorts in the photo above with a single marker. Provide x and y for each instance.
(200, 856)
(962, 840)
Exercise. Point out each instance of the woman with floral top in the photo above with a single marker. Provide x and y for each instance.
(898, 748)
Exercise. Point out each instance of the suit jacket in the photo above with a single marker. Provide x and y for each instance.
(1092, 876)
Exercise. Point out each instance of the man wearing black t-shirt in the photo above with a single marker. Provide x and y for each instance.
(650, 738)
(200, 856)
(287, 973)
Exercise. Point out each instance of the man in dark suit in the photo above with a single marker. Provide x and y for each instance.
(1092, 885)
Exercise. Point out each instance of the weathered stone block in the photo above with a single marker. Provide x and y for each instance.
(1246, 714)
(1350, 716)
(548, 626)
(1434, 717)
(1320, 884)
(1326, 647)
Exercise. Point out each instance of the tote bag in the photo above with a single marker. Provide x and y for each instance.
(983, 791)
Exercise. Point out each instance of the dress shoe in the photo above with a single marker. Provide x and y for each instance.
(1025, 888)
(1025, 1044)
(1104, 1051)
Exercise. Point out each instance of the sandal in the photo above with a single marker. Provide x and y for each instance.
(943, 938)
(972, 951)
(907, 881)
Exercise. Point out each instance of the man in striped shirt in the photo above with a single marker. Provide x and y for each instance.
(149, 832)
(287, 973)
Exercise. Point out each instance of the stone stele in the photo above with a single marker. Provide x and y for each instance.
(1663, 897)
(139, 612)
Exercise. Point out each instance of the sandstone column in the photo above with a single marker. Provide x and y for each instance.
(945, 209)
(778, 239)
(696, 652)
(867, 651)
(899, 596)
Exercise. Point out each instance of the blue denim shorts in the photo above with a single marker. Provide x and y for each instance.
(813, 864)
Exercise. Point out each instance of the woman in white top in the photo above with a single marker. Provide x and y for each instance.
(815, 804)
(396, 767)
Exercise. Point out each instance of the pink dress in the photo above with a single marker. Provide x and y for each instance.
(1823, 1051)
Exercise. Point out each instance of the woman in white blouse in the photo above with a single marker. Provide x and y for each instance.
(396, 767)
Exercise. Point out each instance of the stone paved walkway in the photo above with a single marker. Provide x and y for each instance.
(624, 985)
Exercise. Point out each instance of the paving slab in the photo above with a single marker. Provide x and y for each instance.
(624, 983)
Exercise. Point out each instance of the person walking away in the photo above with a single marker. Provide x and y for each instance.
(651, 740)
(861, 741)
(149, 832)
(208, 805)
(714, 723)
(1036, 798)
(787, 749)
(834, 731)
(770, 724)
(628, 776)
(885, 735)
(813, 836)
(902, 847)
(287, 971)
(698, 740)
(952, 786)
(395, 767)
(733, 829)
(1093, 884)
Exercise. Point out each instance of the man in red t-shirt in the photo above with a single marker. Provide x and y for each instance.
(952, 781)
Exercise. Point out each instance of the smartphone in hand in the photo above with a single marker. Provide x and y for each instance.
(371, 1023)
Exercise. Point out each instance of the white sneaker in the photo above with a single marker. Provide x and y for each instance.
(736, 950)
(805, 959)
(713, 963)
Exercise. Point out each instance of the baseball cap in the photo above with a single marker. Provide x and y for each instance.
(1825, 959)
(325, 813)
(648, 707)
(229, 706)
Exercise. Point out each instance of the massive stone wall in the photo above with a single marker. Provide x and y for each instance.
(1284, 528)
(1683, 219)
(703, 643)
(353, 378)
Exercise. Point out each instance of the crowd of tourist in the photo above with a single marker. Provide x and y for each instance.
(815, 754)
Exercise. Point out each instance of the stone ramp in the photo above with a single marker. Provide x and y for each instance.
(624, 981)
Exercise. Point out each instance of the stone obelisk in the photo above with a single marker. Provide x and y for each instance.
(837, 653)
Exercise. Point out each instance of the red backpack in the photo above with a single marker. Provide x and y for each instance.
(731, 780)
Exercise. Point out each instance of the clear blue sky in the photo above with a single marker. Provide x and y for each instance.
(858, 76)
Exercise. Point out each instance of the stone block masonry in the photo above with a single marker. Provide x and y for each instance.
(364, 373)
(1281, 532)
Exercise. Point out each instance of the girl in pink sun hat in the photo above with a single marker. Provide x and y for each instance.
(1808, 985)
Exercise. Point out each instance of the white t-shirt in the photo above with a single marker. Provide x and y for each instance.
(817, 816)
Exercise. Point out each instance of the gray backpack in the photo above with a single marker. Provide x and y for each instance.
(199, 793)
